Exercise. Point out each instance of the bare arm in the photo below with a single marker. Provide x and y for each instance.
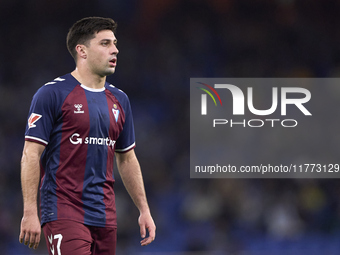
(129, 170)
(30, 229)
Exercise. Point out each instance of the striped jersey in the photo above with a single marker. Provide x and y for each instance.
(81, 128)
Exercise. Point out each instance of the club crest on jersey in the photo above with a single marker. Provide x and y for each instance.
(78, 107)
(115, 112)
(33, 119)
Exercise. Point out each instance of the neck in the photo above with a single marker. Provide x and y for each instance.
(89, 79)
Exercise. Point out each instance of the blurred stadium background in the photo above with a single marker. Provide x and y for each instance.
(162, 44)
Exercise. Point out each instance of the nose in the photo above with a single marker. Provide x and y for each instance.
(114, 50)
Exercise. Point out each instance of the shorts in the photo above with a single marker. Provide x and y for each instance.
(65, 237)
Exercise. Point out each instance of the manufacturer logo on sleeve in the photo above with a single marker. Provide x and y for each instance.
(33, 119)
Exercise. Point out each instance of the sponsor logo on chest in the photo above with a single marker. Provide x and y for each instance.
(77, 139)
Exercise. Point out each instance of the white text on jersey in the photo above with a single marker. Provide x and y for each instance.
(76, 139)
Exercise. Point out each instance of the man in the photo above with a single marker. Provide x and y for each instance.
(76, 124)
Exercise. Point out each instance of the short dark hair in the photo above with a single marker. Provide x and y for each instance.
(84, 30)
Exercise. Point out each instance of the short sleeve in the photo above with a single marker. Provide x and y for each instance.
(41, 116)
(126, 139)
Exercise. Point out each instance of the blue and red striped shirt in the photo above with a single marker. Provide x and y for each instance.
(81, 129)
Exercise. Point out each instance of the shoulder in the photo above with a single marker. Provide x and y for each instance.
(60, 86)
(118, 93)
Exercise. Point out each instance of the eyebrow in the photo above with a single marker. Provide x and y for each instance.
(109, 40)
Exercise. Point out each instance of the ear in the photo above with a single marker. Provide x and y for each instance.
(81, 50)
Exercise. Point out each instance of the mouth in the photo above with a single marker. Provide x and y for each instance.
(113, 62)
